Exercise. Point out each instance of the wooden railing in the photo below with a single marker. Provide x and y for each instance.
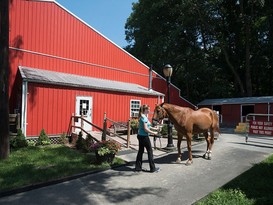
(72, 125)
(126, 127)
(106, 133)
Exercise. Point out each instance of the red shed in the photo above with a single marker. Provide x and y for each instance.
(60, 65)
(234, 110)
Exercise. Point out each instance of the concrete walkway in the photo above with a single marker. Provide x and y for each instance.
(174, 184)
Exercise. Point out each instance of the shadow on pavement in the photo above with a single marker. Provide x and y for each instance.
(166, 159)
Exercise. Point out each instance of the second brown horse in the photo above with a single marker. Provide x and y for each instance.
(188, 122)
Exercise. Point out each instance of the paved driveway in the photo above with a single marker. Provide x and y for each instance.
(175, 184)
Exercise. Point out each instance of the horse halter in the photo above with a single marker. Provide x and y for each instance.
(160, 115)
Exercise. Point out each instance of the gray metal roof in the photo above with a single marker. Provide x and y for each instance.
(65, 79)
(245, 100)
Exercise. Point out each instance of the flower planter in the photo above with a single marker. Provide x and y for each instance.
(105, 158)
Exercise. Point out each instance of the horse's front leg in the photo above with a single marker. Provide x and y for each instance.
(189, 137)
(180, 137)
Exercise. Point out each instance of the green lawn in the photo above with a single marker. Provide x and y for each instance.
(255, 186)
(32, 165)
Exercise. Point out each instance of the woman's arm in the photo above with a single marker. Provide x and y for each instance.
(148, 130)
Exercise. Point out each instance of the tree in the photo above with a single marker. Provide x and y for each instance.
(217, 48)
(4, 76)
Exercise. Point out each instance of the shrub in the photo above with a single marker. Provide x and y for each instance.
(63, 139)
(106, 147)
(80, 142)
(19, 141)
(31, 143)
(89, 141)
(134, 125)
(43, 139)
(84, 144)
(164, 130)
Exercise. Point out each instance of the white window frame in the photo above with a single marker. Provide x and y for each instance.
(133, 109)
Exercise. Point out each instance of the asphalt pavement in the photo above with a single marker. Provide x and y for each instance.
(174, 184)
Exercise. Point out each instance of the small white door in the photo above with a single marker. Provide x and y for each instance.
(84, 108)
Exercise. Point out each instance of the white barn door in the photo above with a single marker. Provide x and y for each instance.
(84, 108)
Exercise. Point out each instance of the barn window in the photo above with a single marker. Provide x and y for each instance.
(134, 108)
(84, 107)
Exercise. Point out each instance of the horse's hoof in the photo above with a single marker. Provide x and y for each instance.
(189, 162)
(178, 161)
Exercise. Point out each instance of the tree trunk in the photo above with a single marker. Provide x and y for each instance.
(270, 77)
(4, 79)
(235, 73)
(247, 65)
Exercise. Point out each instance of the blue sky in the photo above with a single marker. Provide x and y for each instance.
(106, 16)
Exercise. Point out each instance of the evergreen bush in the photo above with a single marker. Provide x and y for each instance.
(43, 139)
(80, 142)
(19, 141)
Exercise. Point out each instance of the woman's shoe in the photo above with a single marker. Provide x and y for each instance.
(137, 170)
(157, 169)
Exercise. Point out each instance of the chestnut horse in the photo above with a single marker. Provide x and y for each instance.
(188, 122)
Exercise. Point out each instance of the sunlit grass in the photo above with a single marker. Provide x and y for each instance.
(255, 186)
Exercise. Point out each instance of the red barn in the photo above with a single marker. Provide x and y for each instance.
(60, 65)
(234, 110)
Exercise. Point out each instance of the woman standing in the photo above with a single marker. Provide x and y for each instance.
(144, 130)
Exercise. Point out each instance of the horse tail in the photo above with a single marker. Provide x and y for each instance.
(215, 122)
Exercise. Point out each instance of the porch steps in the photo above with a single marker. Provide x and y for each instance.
(240, 128)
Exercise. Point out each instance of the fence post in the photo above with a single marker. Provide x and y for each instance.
(247, 130)
(72, 128)
(103, 137)
(128, 133)
(82, 123)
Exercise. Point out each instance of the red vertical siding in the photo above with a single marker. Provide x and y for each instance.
(261, 108)
(49, 107)
(47, 28)
(44, 35)
(231, 114)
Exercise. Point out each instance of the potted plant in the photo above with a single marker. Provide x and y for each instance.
(105, 150)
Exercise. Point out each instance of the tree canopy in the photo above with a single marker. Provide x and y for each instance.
(218, 48)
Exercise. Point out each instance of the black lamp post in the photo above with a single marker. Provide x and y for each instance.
(168, 70)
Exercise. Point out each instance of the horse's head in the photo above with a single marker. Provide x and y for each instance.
(159, 114)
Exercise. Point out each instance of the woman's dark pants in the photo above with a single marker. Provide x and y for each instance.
(144, 141)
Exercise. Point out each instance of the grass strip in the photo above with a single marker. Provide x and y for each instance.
(255, 186)
(33, 165)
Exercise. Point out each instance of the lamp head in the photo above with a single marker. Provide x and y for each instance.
(168, 70)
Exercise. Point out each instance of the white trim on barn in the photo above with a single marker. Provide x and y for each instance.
(24, 107)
